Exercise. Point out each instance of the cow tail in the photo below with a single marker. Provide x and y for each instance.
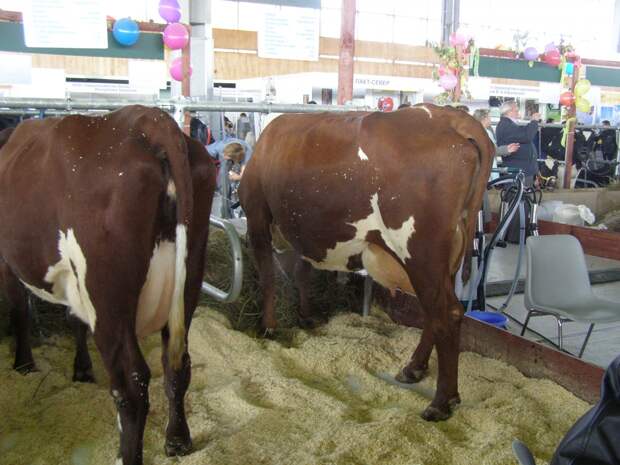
(164, 134)
(473, 200)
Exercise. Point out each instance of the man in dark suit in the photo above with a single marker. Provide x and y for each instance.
(508, 131)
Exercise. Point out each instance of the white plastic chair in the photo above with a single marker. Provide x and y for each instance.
(558, 284)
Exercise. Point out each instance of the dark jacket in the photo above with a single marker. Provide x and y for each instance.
(595, 438)
(508, 132)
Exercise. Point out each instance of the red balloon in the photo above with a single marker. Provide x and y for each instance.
(386, 104)
(553, 57)
(567, 99)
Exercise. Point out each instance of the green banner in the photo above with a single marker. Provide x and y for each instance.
(150, 45)
(516, 69)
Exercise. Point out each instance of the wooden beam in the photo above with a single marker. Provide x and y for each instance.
(571, 122)
(347, 52)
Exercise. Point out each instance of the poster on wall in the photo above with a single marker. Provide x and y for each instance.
(65, 23)
(289, 33)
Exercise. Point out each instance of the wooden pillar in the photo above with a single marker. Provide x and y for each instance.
(571, 122)
(456, 94)
(185, 84)
(347, 52)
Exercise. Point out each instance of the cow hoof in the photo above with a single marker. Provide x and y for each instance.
(25, 368)
(83, 376)
(410, 376)
(434, 414)
(178, 447)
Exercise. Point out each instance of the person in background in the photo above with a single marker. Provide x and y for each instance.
(501, 151)
(482, 115)
(509, 131)
(234, 155)
(243, 126)
(606, 142)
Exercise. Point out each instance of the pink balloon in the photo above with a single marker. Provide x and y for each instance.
(448, 81)
(176, 36)
(170, 10)
(176, 69)
(457, 38)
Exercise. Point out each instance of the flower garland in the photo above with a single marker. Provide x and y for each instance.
(454, 67)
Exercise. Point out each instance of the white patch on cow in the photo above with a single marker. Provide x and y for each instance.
(362, 155)
(549, 163)
(396, 239)
(426, 109)
(118, 423)
(156, 294)
(171, 190)
(68, 280)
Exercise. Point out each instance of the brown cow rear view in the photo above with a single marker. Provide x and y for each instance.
(109, 216)
(394, 193)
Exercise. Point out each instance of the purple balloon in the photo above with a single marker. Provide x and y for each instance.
(176, 36)
(448, 81)
(530, 54)
(549, 47)
(170, 10)
(176, 69)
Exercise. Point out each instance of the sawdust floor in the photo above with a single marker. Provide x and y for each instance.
(323, 397)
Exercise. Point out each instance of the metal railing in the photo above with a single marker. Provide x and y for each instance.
(171, 105)
(237, 271)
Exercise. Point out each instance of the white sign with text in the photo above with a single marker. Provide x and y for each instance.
(289, 33)
(65, 24)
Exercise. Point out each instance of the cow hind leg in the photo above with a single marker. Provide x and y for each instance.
(129, 382)
(20, 312)
(303, 271)
(82, 364)
(417, 367)
(178, 439)
(443, 314)
(259, 223)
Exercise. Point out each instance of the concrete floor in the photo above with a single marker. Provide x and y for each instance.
(604, 343)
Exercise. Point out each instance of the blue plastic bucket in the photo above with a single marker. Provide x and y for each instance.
(492, 318)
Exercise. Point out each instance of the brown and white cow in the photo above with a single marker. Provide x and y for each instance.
(394, 193)
(110, 216)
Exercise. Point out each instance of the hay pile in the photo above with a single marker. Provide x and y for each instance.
(327, 398)
(320, 397)
(327, 296)
(611, 221)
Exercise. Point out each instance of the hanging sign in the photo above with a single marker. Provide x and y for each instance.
(65, 23)
(289, 33)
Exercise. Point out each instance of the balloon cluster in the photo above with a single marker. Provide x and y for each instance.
(176, 35)
(581, 103)
(448, 74)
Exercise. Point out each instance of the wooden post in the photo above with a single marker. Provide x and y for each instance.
(347, 52)
(456, 95)
(571, 121)
(185, 84)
